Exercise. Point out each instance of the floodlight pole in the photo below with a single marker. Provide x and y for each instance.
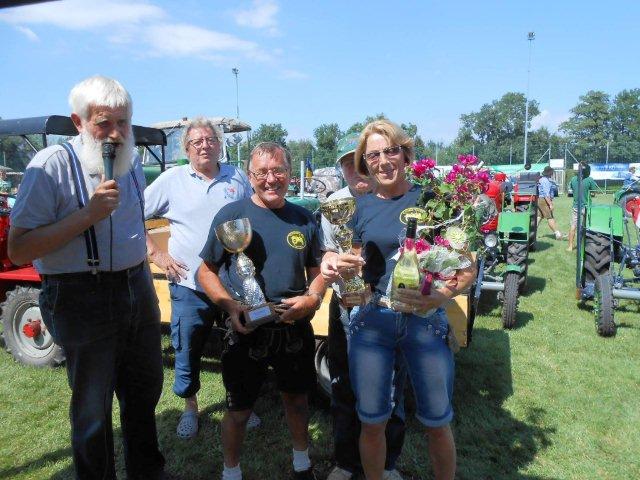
(530, 37)
(235, 71)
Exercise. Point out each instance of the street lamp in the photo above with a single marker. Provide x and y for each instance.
(235, 71)
(530, 37)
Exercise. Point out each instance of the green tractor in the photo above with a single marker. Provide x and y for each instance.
(608, 258)
(504, 256)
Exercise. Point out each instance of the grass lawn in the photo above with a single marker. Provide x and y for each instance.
(547, 400)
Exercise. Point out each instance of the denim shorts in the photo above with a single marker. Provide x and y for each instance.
(376, 335)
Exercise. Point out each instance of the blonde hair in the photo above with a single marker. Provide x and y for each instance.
(394, 135)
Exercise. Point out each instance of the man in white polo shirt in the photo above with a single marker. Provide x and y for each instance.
(189, 196)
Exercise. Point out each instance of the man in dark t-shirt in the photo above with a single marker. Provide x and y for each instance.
(285, 251)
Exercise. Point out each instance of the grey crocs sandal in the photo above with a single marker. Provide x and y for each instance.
(188, 425)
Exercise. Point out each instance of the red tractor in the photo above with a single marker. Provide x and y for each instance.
(25, 335)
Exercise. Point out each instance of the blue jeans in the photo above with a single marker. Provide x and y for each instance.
(109, 326)
(376, 335)
(346, 425)
(192, 317)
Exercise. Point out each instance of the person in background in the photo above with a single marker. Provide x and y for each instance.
(588, 185)
(5, 185)
(346, 426)
(85, 236)
(630, 178)
(189, 196)
(545, 201)
(285, 251)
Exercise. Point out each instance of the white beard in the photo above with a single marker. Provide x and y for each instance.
(91, 155)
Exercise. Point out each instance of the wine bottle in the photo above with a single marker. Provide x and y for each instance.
(406, 273)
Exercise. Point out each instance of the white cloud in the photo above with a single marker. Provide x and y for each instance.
(261, 15)
(293, 75)
(28, 33)
(549, 120)
(84, 14)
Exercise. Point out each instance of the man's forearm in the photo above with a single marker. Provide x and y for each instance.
(25, 245)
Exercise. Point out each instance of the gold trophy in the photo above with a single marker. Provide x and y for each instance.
(338, 212)
(235, 236)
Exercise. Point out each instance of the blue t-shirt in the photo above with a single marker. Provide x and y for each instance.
(379, 225)
(284, 243)
(544, 187)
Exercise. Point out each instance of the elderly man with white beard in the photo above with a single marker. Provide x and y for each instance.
(85, 236)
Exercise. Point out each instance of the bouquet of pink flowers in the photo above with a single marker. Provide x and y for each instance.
(447, 201)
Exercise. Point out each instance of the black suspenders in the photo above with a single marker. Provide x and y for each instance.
(83, 198)
(93, 260)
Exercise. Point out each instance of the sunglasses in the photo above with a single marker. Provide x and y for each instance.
(389, 152)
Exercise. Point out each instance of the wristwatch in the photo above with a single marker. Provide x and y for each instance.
(318, 296)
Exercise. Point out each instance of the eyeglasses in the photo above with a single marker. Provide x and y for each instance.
(278, 172)
(198, 142)
(389, 152)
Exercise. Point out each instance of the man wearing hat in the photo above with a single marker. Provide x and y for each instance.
(545, 201)
(346, 425)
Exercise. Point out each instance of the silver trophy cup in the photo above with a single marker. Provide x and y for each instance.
(235, 237)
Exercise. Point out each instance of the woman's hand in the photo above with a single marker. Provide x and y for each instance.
(343, 265)
(422, 303)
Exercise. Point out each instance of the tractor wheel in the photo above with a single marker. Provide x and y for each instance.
(517, 254)
(25, 335)
(597, 256)
(510, 305)
(322, 366)
(626, 198)
(603, 306)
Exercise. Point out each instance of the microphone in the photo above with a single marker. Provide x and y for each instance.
(108, 157)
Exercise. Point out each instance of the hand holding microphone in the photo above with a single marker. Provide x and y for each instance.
(106, 197)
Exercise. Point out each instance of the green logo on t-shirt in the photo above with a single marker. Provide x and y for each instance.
(416, 212)
(296, 240)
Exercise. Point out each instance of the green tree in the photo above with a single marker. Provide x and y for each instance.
(625, 126)
(359, 126)
(327, 136)
(300, 150)
(589, 127)
(271, 132)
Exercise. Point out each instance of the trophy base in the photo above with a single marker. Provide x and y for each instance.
(259, 315)
(356, 299)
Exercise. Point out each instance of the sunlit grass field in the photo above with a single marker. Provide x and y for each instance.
(547, 400)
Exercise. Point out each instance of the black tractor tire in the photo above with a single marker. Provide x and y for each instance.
(322, 366)
(597, 256)
(603, 306)
(624, 199)
(510, 305)
(518, 254)
(41, 351)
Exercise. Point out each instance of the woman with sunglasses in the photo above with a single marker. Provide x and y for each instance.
(376, 332)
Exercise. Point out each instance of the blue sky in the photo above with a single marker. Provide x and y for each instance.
(304, 63)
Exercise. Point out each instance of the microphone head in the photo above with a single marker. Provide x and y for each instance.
(109, 149)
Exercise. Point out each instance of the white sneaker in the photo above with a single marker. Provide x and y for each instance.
(391, 475)
(254, 421)
(339, 474)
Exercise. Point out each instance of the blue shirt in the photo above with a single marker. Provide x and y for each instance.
(544, 187)
(190, 201)
(47, 195)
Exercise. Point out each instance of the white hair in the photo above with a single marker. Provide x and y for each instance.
(98, 91)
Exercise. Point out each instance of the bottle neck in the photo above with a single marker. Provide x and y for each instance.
(409, 244)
